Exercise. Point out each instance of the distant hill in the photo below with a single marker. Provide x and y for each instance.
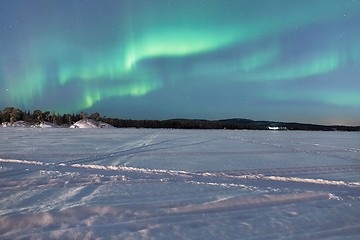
(290, 125)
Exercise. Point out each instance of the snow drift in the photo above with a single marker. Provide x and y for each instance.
(84, 123)
(23, 124)
(89, 123)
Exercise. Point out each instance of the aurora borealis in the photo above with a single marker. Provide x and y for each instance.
(284, 60)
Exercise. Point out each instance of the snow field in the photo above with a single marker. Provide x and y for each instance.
(185, 184)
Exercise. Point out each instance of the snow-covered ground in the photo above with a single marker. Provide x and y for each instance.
(23, 124)
(178, 184)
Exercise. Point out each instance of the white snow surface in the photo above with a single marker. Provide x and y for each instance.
(45, 125)
(16, 124)
(23, 124)
(83, 123)
(89, 123)
(59, 183)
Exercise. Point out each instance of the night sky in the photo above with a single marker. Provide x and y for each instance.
(283, 60)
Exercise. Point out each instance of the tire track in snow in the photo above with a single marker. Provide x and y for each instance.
(248, 181)
(260, 174)
(136, 150)
(113, 154)
(44, 165)
(297, 170)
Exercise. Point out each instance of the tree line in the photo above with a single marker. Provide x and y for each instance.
(11, 115)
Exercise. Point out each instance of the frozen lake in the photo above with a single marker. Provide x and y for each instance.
(178, 184)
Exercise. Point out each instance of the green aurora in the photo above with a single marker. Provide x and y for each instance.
(72, 56)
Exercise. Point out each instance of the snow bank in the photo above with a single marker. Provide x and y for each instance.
(23, 124)
(84, 123)
(17, 124)
(45, 125)
(89, 123)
